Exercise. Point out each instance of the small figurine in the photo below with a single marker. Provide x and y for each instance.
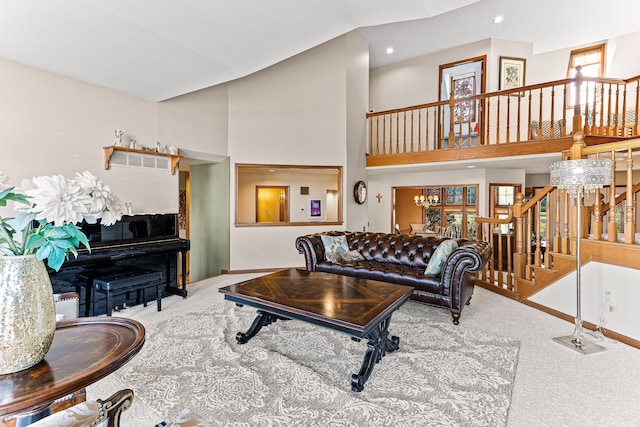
(158, 147)
(118, 141)
(133, 144)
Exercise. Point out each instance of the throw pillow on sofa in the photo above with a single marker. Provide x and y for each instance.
(439, 257)
(334, 244)
(349, 256)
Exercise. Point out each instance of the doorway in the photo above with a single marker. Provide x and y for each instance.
(462, 79)
(272, 204)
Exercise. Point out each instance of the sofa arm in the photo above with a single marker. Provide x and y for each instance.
(457, 279)
(312, 248)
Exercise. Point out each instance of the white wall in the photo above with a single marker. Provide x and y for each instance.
(291, 113)
(595, 279)
(51, 124)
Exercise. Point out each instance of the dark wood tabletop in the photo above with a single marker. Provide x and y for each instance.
(345, 303)
(83, 351)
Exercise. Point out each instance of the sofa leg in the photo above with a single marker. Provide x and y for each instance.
(456, 318)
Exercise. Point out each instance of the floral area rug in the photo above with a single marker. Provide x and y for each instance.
(296, 374)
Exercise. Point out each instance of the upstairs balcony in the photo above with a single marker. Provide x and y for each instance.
(534, 119)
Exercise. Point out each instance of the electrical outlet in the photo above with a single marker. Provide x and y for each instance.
(609, 299)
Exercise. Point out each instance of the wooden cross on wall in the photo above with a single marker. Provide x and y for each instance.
(379, 197)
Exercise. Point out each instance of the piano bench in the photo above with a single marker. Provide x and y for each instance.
(124, 280)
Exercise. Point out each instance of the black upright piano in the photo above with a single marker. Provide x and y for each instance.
(148, 240)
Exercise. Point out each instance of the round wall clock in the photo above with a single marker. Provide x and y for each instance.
(360, 192)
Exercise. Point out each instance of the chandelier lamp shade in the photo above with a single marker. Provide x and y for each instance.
(431, 200)
(577, 178)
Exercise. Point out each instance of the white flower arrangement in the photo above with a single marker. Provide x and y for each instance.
(50, 208)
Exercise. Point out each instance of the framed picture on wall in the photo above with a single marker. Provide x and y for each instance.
(316, 209)
(512, 73)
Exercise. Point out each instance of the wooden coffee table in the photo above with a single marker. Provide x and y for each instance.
(358, 307)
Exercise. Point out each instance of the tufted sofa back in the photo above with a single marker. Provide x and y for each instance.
(409, 250)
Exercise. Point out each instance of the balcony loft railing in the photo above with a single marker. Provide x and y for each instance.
(540, 246)
(545, 112)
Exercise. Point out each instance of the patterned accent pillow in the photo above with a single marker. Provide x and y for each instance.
(334, 244)
(351, 256)
(439, 257)
(333, 257)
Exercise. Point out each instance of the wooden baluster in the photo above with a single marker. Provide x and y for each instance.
(556, 239)
(500, 275)
(404, 131)
(397, 135)
(636, 127)
(528, 274)
(420, 132)
(624, 111)
(413, 113)
(586, 128)
(597, 215)
(564, 111)
(609, 125)
(519, 118)
(565, 237)
(498, 122)
(508, 124)
(426, 129)
(602, 112)
(529, 116)
(547, 235)
(370, 151)
(540, 116)
(488, 124)
(612, 226)
(616, 129)
(630, 226)
(552, 133)
(510, 285)
(593, 109)
(538, 253)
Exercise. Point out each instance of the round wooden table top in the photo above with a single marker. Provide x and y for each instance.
(83, 351)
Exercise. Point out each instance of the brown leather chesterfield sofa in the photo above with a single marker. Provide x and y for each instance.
(402, 259)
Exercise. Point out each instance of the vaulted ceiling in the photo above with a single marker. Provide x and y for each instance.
(158, 49)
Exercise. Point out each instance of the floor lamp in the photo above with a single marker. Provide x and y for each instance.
(577, 178)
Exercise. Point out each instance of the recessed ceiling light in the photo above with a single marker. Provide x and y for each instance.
(389, 50)
(498, 19)
(471, 166)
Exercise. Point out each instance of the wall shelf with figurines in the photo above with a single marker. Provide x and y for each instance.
(133, 157)
(142, 157)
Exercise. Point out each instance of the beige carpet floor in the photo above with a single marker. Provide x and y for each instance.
(554, 386)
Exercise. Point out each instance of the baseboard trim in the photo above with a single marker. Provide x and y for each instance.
(587, 325)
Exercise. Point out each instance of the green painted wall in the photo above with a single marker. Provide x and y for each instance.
(209, 220)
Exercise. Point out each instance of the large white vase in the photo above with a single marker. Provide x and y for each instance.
(27, 312)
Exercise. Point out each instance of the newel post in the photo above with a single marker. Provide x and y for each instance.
(577, 114)
(452, 119)
(520, 254)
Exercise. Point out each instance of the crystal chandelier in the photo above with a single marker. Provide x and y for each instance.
(577, 178)
(427, 202)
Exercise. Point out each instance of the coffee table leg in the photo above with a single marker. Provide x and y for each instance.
(378, 346)
(262, 319)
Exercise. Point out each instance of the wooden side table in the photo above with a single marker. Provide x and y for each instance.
(83, 351)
